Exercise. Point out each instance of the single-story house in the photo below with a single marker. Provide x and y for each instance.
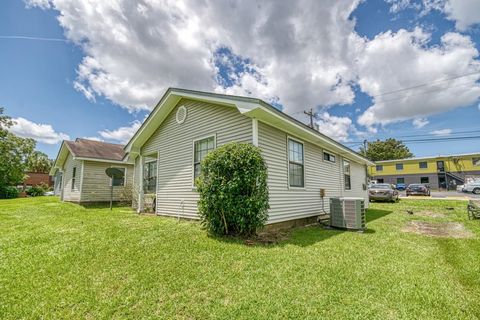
(79, 171)
(185, 125)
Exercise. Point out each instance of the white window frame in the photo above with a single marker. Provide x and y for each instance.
(330, 153)
(350, 174)
(288, 164)
(156, 175)
(74, 178)
(214, 136)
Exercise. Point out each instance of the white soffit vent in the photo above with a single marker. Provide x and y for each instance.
(181, 114)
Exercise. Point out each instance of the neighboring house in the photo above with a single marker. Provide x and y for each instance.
(37, 178)
(185, 125)
(79, 171)
(440, 172)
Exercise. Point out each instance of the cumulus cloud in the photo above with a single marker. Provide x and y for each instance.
(335, 127)
(299, 54)
(40, 132)
(420, 122)
(442, 132)
(122, 134)
(438, 77)
(134, 50)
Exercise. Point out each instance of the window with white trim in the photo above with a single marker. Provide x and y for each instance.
(296, 170)
(346, 175)
(328, 157)
(150, 177)
(200, 150)
(74, 174)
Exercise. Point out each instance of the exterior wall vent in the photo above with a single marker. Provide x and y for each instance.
(348, 213)
(181, 114)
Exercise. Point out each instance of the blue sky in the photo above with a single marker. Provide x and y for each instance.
(98, 77)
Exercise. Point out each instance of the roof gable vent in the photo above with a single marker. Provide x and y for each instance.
(181, 114)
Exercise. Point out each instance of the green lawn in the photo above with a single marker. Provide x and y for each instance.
(60, 260)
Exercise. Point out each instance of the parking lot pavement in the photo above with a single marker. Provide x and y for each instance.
(444, 195)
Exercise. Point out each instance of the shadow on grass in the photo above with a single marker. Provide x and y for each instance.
(374, 214)
(301, 236)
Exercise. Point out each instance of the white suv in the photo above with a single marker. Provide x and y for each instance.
(472, 187)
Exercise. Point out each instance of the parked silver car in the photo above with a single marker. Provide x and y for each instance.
(382, 192)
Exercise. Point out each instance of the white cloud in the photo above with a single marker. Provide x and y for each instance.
(442, 132)
(40, 132)
(300, 54)
(465, 13)
(420, 122)
(94, 139)
(392, 61)
(122, 134)
(134, 50)
(335, 127)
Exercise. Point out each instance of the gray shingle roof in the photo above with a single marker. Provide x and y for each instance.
(85, 148)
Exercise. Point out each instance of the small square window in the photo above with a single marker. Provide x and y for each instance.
(379, 167)
(399, 166)
(423, 165)
(400, 180)
(424, 180)
(328, 157)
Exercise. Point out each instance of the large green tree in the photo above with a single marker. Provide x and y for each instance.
(390, 149)
(14, 152)
(39, 162)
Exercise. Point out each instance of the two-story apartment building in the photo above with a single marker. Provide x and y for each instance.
(440, 172)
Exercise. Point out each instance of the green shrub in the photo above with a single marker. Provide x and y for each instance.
(233, 190)
(35, 191)
(7, 192)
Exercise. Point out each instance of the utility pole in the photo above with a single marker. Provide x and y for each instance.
(365, 144)
(310, 114)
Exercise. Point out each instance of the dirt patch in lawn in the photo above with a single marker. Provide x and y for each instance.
(269, 237)
(441, 229)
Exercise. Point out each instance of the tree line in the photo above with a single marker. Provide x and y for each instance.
(18, 156)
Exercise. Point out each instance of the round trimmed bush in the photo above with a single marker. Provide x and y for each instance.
(233, 190)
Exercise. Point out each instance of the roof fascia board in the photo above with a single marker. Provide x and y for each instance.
(101, 160)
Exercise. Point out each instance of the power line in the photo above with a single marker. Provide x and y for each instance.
(443, 139)
(424, 84)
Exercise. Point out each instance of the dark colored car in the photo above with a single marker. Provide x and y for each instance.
(418, 189)
(382, 192)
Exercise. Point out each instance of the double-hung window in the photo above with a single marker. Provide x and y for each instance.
(150, 177)
(74, 174)
(296, 170)
(200, 149)
(346, 175)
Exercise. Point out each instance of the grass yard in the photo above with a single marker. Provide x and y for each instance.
(63, 261)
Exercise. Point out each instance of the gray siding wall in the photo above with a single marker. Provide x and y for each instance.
(294, 203)
(69, 193)
(174, 144)
(96, 183)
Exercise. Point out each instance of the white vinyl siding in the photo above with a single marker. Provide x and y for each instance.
(174, 144)
(295, 203)
(71, 186)
(96, 183)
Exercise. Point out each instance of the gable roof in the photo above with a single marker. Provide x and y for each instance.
(251, 107)
(84, 149)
